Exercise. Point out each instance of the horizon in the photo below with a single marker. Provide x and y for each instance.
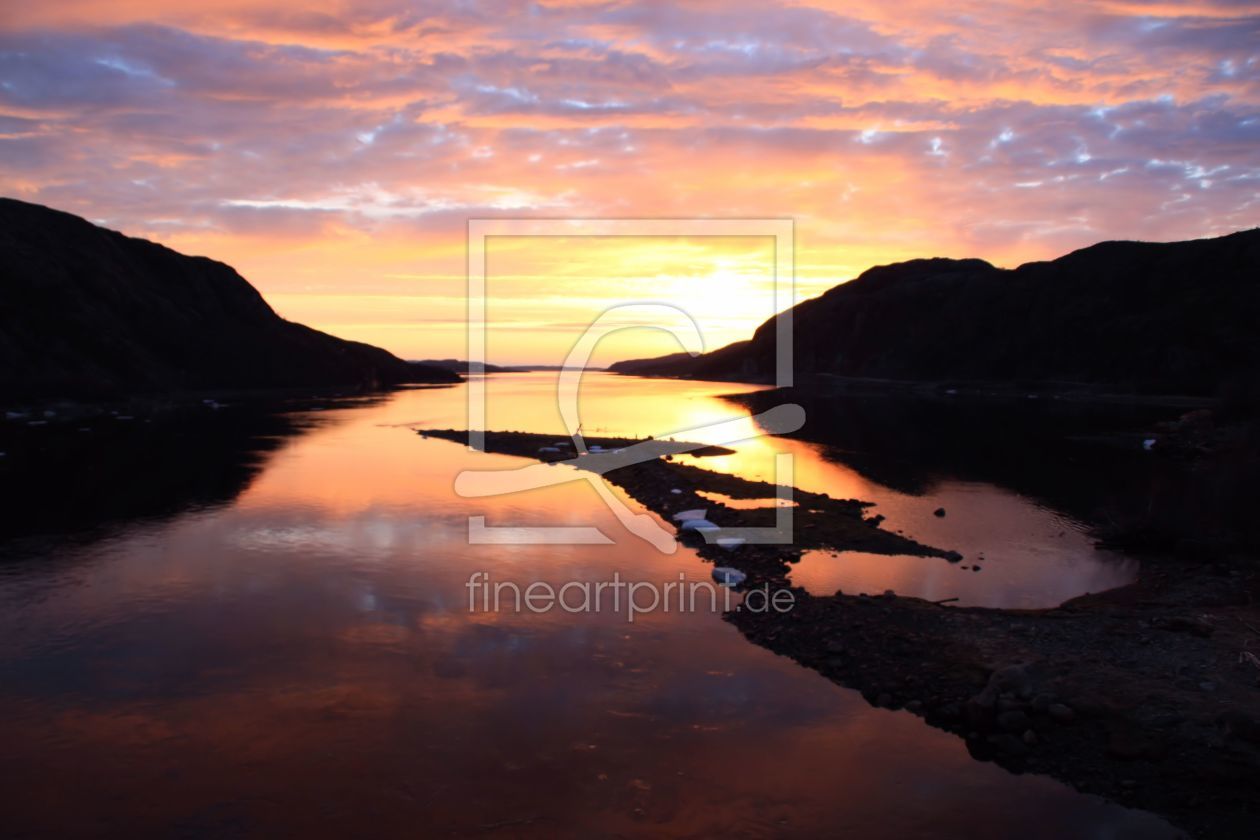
(332, 155)
(650, 345)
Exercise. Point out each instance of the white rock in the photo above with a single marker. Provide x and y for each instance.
(676, 491)
(730, 543)
(699, 525)
(548, 449)
(1148, 444)
(684, 515)
(728, 576)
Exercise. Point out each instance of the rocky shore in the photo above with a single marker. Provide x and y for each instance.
(1148, 695)
(667, 486)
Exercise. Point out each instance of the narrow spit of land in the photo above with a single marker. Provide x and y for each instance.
(1148, 694)
(651, 475)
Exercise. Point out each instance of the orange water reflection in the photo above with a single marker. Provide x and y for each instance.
(302, 662)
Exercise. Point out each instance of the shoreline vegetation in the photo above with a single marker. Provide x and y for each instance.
(1142, 694)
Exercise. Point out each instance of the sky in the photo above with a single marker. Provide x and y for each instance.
(333, 151)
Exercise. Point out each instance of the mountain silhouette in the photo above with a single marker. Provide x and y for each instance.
(89, 312)
(1176, 317)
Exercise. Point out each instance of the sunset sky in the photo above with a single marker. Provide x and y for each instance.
(332, 152)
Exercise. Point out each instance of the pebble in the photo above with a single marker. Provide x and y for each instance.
(1008, 744)
(1060, 712)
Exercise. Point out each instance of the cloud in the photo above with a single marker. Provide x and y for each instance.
(887, 130)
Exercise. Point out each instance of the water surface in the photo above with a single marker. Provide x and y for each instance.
(300, 660)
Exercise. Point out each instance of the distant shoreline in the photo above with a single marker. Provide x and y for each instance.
(1081, 392)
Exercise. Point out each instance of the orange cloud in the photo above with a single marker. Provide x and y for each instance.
(334, 153)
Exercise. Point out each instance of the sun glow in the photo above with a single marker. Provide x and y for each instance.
(335, 156)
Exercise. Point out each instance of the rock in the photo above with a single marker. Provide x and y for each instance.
(1087, 705)
(884, 699)
(1060, 713)
(1008, 703)
(699, 525)
(1126, 741)
(1165, 720)
(688, 515)
(951, 711)
(1007, 744)
(1015, 721)
(951, 556)
(1239, 724)
(1042, 702)
(915, 706)
(978, 713)
(939, 512)
(728, 576)
(1183, 624)
(1030, 737)
(1013, 679)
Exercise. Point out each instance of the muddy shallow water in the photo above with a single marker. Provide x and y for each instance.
(299, 657)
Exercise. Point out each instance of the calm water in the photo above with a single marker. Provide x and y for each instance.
(301, 660)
